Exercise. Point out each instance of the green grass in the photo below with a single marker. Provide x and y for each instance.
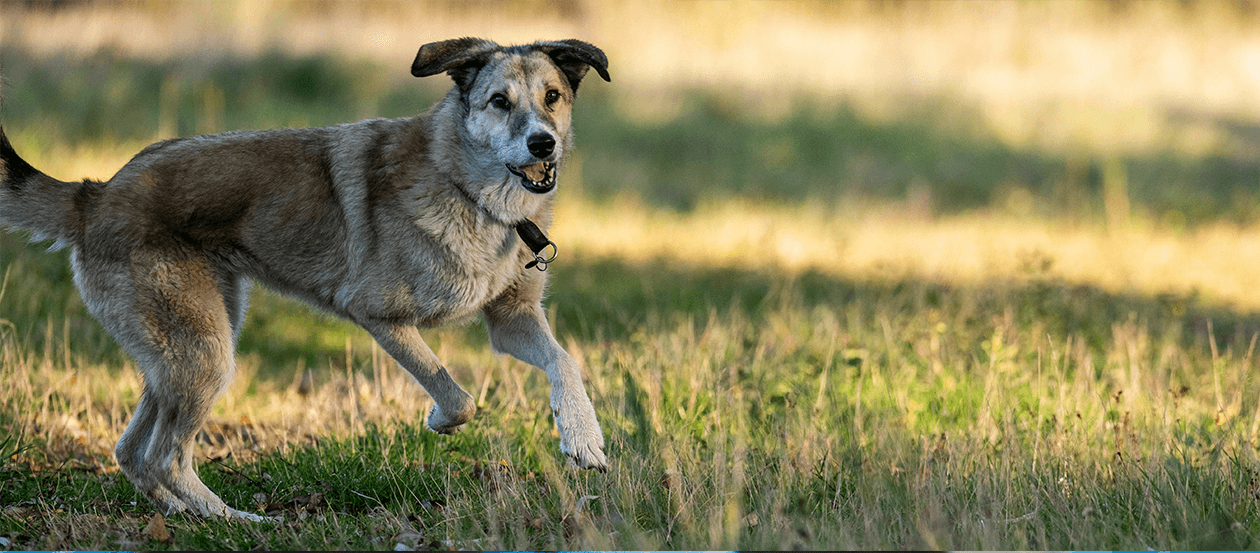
(876, 414)
(744, 408)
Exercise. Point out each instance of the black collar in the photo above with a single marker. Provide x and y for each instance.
(537, 242)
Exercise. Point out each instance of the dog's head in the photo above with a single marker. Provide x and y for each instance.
(519, 98)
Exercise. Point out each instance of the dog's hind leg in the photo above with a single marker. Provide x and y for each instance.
(452, 406)
(130, 453)
(171, 314)
(518, 328)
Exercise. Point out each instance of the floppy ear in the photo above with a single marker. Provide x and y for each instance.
(460, 58)
(574, 58)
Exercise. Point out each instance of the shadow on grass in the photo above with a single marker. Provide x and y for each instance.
(607, 299)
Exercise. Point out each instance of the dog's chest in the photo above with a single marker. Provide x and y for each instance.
(440, 280)
(467, 278)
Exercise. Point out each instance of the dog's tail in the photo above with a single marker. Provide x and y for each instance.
(33, 201)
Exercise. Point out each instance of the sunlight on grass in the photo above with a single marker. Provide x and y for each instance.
(1221, 262)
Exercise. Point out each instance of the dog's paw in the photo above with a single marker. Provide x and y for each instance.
(586, 455)
(580, 436)
(170, 505)
(442, 423)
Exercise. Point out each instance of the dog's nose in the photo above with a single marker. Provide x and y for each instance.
(541, 144)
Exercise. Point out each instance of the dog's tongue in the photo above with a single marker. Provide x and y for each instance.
(536, 172)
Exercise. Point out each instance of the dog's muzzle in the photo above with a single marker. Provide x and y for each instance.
(538, 178)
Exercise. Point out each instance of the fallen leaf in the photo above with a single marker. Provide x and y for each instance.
(156, 530)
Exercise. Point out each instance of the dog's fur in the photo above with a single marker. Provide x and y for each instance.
(393, 224)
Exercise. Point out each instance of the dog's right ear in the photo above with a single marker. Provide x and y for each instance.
(574, 58)
(460, 58)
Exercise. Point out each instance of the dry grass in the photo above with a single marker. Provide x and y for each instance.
(76, 408)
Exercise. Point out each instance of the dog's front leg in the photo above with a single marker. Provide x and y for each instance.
(520, 330)
(452, 406)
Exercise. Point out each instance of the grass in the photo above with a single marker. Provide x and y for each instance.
(875, 373)
(764, 412)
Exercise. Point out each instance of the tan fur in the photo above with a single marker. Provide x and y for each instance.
(394, 224)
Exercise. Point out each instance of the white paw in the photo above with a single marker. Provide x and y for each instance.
(580, 436)
(585, 454)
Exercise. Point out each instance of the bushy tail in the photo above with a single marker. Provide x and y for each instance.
(33, 201)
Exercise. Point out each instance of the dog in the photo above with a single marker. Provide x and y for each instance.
(394, 224)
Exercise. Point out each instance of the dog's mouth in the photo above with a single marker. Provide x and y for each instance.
(538, 178)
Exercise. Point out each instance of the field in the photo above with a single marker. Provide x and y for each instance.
(826, 321)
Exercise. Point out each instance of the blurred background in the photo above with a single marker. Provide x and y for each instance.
(1037, 107)
(1107, 143)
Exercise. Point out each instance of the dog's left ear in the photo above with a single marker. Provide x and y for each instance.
(461, 58)
(574, 58)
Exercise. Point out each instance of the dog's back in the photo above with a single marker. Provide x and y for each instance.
(294, 208)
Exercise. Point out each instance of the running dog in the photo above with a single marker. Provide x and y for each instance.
(394, 224)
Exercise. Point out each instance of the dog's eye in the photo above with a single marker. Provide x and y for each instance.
(500, 101)
(552, 96)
